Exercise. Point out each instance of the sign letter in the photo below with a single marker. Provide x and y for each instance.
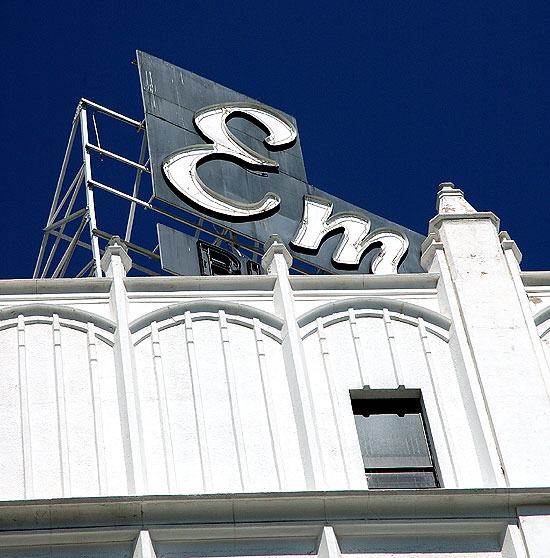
(180, 167)
(355, 236)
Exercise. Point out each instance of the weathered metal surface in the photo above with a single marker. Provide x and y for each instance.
(172, 96)
(178, 251)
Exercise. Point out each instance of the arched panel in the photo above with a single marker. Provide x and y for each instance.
(58, 369)
(382, 344)
(210, 374)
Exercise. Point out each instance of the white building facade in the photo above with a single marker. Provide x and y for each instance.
(225, 416)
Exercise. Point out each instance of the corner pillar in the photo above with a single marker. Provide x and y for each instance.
(481, 292)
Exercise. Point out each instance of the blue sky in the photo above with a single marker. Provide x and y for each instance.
(391, 98)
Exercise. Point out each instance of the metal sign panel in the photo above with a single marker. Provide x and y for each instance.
(221, 136)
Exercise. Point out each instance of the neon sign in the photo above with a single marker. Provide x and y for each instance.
(180, 170)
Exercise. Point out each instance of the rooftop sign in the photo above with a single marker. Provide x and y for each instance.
(218, 153)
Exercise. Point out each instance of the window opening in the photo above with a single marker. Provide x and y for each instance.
(393, 441)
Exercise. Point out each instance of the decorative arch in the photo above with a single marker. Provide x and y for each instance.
(241, 314)
(64, 313)
(374, 307)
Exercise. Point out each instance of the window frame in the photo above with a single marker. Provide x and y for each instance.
(394, 402)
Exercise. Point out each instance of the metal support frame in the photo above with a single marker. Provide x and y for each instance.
(63, 213)
(89, 191)
(65, 197)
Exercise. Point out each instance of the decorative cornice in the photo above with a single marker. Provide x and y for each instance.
(435, 223)
(276, 509)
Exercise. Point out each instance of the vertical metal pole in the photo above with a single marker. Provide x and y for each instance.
(135, 193)
(89, 191)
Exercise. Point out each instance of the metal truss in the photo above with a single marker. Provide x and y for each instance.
(80, 224)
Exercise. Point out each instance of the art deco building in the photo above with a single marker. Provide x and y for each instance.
(276, 414)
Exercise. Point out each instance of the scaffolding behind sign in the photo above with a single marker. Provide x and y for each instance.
(101, 193)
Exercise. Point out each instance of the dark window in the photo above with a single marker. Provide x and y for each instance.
(393, 441)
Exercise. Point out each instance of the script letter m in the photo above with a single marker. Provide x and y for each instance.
(356, 236)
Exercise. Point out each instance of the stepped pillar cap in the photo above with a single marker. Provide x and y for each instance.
(451, 200)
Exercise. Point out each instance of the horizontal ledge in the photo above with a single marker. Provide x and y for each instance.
(54, 286)
(278, 508)
(535, 278)
(364, 281)
(477, 216)
(176, 283)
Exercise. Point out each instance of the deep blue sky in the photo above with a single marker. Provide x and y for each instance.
(391, 98)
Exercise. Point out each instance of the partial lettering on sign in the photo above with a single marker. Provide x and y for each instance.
(180, 169)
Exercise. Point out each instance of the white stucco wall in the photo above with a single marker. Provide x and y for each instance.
(214, 396)
(219, 409)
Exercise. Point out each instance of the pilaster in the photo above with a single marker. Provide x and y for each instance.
(116, 263)
(144, 546)
(277, 261)
(534, 524)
